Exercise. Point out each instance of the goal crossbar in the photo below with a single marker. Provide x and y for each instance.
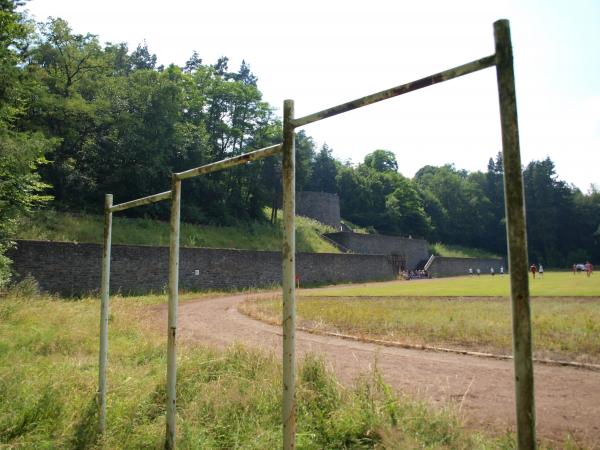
(502, 59)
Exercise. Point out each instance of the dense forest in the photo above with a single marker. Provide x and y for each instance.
(79, 118)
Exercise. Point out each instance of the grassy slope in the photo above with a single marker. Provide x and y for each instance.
(225, 399)
(561, 329)
(53, 226)
(554, 284)
(458, 251)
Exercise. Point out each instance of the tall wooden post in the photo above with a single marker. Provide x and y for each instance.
(517, 239)
(289, 275)
(172, 320)
(104, 310)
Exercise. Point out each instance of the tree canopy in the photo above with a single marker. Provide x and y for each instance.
(79, 119)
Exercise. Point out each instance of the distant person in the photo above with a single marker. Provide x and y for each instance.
(492, 271)
(541, 270)
(478, 271)
(470, 271)
(574, 269)
(588, 268)
(501, 270)
(533, 270)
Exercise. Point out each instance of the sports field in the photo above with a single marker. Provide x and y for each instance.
(464, 313)
(553, 284)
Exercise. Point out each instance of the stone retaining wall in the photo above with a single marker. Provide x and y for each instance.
(443, 266)
(412, 251)
(321, 206)
(75, 269)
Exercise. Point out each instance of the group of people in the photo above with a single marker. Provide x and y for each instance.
(537, 269)
(492, 271)
(414, 274)
(588, 268)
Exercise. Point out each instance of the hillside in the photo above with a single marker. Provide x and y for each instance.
(51, 225)
(459, 251)
(56, 226)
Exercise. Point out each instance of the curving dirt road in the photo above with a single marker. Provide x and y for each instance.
(567, 399)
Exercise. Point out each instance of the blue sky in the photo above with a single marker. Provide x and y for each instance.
(321, 53)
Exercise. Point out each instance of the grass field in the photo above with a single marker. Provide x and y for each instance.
(55, 226)
(553, 284)
(231, 399)
(467, 313)
(566, 330)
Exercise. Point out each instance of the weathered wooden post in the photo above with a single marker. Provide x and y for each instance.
(172, 320)
(516, 237)
(289, 288)
(104, 304)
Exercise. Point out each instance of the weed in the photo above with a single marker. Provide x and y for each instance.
(226, 399)
(57, 226)
(562, 329)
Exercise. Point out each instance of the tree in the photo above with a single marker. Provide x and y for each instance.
(461, 200)
(21, 152)
(142, 59)
(549, 212)
(194, 63)
(66, 57)
(324, 171)
(405, 209)
(382, 161)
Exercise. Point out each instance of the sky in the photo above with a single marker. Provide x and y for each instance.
(322, 53)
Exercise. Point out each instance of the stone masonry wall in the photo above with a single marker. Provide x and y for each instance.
(413, 250)
(75, 269)
(442, 266)
(321, 206)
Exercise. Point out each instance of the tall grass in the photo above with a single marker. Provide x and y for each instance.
(567, 330)
(226, 399)
(57, 226)
(459, 251)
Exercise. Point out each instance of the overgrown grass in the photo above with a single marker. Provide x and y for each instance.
(358, 229)
(553, 284)
(458, 251)
(562, 329)
(226, 399)
(57, 226)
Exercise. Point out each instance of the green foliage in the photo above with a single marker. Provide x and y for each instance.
(57, 226)
(228, 399)
(382, 161)
(374, 194)
(108, 120)
(21, 152)
(560, 222)
(356, 229)
(324, 170)
(124, 124)
(458, 251)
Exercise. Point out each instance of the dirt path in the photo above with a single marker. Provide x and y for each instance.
(567, 399)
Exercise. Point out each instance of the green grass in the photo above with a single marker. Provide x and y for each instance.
(562, 329)
(357, 229)
(458, 251)
(553, 284)
(55, 226)
(228, 399)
